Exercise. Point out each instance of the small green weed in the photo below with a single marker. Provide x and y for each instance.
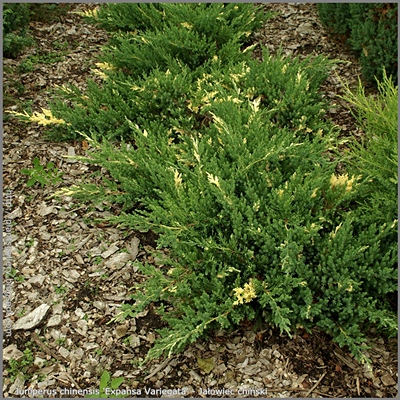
(58, 45)
(21, 367)
(99, 352)
(21, 313)
(98, 260)
(61, 340)
(60, 289)
(106, 383)
(44, 174)
(29, 64)
(13, 274)
(26, 66)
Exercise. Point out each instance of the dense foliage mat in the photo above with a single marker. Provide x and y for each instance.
(230, 161)
(371, 31)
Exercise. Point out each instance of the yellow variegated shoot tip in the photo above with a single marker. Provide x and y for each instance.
(88, 13)
(177, 179)
(245, 294)
(100, 73)
(314, 193)
(45, 118)
(106, 66)
(333, 234)
(343, 180)
(213, 179)
(186, 25)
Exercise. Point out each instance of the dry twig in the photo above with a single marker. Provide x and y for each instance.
(319, 380)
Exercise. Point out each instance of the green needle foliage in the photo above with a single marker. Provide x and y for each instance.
(371, 31)
(230, 162)
(257, 223)
(376, 156)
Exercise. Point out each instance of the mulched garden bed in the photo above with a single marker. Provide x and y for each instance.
(65, 259)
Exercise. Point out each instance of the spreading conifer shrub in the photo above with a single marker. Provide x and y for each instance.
(16, 19)
(375, 157)
(151, 35)
(193, 37)
(257, 223)
(371, 30)
(230, 163)
(178, 97)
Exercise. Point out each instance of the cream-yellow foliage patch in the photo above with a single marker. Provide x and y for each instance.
(343, 180)
(44, 118)
(245, 294)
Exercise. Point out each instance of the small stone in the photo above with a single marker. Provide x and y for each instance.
(79, 313)
(79, 259)
(18, 385)
(112, 249)
(134, 341)
(251, 336)
(120, 331)
(305, 28)
(45, 236)
(33, 319)
(266, 354)
(135, 384)
(64, 352)
(47, 370)
(46, 210)
(100, 305)
(12, 352)
(84, 31)
(276, 354)
(71, 275)
(71, 31)
(241, 357)
(37, 280)
(134, 248)
(78, 354)
(118, 261)
(82, 327)
(39, 361)
(71, 153)
(244, 363)
(54, 320)
(90, 346)
(17, 213)
(387, 380)
(151, 337)
(58, 308)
